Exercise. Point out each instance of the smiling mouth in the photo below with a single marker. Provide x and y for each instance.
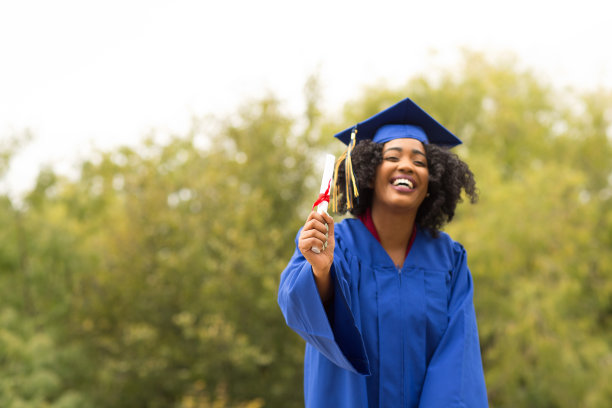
(403, 182)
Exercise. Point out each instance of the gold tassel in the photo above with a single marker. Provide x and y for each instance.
(350, 188)
(335, 191)
(350, 176)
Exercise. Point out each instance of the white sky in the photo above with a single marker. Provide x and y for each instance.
(82, 74)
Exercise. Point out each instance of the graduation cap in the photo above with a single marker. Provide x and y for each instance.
(405, 119)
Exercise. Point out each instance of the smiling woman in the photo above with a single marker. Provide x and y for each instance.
(386, 306)
(448, 176)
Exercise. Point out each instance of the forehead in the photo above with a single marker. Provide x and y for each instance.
(404, 144)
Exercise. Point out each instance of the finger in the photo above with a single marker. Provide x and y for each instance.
(315, 224)
(313, 233)
(314, 215)
(307, 244)
(311, 244)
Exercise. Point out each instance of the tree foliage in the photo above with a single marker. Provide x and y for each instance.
(150, 280)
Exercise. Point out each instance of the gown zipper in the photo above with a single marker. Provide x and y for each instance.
(401, 305)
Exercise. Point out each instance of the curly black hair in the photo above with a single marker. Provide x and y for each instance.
(448, 175)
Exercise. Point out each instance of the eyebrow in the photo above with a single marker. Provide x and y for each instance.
(399, 149)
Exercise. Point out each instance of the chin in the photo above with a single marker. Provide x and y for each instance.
(403, 206)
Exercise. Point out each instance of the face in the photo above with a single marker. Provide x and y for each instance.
(401, 179)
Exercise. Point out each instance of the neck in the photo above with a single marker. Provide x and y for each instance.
(394, 228)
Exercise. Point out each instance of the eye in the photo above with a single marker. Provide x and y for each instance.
(420, 163)
(391, 158)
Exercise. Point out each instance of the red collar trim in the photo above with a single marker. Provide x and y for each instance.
(369, 224)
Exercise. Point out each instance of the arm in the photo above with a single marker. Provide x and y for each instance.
(302, 295)
(318, 232)
(455, 376)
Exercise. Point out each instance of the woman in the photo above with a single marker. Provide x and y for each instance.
(386, 305)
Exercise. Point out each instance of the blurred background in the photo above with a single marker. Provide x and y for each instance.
(157, 159)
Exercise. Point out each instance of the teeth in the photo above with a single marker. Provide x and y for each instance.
(403, 181)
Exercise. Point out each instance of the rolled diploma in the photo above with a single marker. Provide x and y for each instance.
(328, 173)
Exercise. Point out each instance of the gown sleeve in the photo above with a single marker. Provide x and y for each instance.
(333, 332)
(455, 376)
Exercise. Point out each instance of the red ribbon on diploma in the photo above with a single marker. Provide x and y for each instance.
(323, 196)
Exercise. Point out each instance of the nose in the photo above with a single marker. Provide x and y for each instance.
(405, 165)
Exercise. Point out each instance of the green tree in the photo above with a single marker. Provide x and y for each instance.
(150, 280)
(161, 264)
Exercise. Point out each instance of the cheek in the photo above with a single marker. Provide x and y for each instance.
(425, 174)
(378, 177)
(425, 179)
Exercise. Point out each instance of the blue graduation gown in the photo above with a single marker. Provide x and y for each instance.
(391, 338)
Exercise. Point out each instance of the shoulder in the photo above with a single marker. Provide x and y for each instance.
(443, 241)
(354, 239)
(348, 232)
(442, 250)
(346, 226)
(448, 242)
